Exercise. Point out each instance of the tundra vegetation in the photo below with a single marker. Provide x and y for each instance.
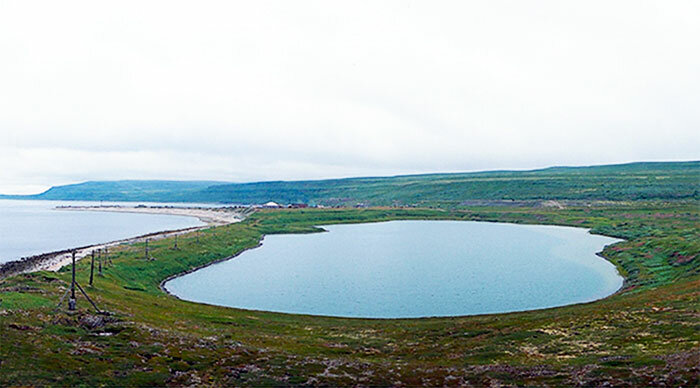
(648, 333)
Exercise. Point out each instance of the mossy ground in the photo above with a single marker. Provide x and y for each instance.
(645, 334)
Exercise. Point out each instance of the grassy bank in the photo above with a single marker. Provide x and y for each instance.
(647, 333)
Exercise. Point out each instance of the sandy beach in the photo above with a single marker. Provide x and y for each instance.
(210, 216)
(53, 261)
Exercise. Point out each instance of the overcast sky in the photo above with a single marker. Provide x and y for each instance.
(257, 90)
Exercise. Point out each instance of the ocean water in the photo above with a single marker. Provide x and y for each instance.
(33, 227)
(403, 269)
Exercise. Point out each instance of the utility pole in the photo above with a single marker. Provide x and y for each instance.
(71, 290)
(92, 266)
(108, 260)
(71, 301)
(99, 261)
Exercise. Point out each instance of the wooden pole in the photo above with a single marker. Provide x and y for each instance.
(60, 302)
(71, 301)
(87, 297)
(99, 262)
(175, 247)
(147, 249)
(73, 285)
(92, 267)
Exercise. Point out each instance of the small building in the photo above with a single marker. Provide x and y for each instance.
(297, 206)
(271, 205)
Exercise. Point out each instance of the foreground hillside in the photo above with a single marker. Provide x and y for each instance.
(647, 334)
(625, 182)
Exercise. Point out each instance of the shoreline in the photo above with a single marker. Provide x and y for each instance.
(210, 216)
(161, 285)
(54, 261)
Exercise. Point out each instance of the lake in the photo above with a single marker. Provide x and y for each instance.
(32, 227)
(407, 269)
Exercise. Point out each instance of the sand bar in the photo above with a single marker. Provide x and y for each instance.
(210, 216)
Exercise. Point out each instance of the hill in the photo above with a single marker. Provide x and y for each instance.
(622, 182)
(123, 190)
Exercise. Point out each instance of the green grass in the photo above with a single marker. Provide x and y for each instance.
(24, 300)
(645, 334)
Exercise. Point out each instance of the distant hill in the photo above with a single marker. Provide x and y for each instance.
(622, 182)
(124, 190)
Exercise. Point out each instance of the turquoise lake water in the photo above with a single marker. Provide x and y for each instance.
(33, 227)
(403, 269)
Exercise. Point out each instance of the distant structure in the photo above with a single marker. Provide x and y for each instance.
(275, 205)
